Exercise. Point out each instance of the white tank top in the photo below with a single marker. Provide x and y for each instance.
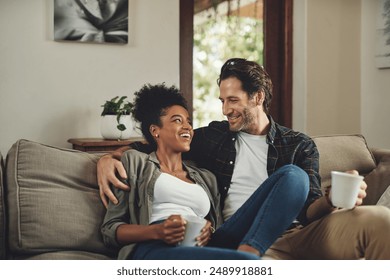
(250, 170)
(173, 196)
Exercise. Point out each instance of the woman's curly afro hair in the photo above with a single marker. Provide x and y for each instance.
(151, 102)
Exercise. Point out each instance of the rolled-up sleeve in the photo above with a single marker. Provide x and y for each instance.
(116, 215)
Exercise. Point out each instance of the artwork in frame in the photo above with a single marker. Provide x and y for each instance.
(382, 57)
(92, 21)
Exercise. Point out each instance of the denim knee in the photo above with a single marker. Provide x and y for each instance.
(296, 176)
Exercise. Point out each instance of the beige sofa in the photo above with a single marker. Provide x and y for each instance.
(50, 206)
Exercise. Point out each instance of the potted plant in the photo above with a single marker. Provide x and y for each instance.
(116, 122)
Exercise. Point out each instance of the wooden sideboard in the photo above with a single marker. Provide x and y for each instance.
(100, 144)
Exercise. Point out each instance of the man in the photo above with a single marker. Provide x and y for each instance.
(247, 152)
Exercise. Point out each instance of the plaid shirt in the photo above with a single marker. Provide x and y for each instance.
(213, 147)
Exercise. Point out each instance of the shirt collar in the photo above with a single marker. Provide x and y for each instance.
(272, 131)
(153, 158)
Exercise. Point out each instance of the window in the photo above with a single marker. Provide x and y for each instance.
(230, 29)
(277, 54)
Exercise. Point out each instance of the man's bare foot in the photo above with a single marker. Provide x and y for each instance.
(248, 249)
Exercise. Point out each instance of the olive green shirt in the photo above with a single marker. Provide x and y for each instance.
(135, 206)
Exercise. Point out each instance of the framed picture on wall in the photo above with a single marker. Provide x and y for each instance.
(382, 56)
(92, 21)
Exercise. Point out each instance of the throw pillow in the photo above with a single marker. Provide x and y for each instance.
(342, 153)
(53, 200)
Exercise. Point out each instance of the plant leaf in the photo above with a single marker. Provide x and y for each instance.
(121, 127)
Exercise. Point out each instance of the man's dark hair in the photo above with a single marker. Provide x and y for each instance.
(253, 78)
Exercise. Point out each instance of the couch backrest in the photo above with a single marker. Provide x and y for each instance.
(378, 180)
(53, 200)
(342, 153)
(2, 210)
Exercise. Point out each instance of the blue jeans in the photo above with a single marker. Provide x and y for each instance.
(159, 250)
(267, 213)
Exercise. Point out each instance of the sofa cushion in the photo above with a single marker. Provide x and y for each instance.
(378, 179)
(65, 255)
(53, 200)
(342, 153)
(2, 210)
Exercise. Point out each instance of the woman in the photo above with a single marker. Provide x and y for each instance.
(147, 221)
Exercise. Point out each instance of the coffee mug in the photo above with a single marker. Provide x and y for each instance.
(194, 226)
(345, 189)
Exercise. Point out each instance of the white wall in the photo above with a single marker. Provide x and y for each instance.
(299, 106)
(375, 84)
(327, 53)
(337, 88)
(52, 91)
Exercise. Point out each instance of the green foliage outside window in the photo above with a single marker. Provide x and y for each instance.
(215, 40)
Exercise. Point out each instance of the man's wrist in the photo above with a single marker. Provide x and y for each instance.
(327, 198)
(116, 155)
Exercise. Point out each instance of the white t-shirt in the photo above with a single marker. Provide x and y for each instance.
(250, 170)
(173, 196)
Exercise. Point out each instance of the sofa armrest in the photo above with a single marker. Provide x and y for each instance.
(378, 179)
(380, 154)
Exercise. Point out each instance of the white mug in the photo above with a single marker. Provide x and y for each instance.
(194, 226)
(345, 189)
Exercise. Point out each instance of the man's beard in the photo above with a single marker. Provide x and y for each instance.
(247, 121)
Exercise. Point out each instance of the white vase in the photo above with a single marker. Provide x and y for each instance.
(109, 130)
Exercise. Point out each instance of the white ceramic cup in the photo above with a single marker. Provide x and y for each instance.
(345, 189)
(193, 228)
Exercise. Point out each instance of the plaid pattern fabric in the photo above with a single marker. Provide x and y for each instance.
(213, 147)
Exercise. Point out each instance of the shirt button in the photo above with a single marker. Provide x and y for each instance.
(225, 188)
(233, 139)
(231, 162)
